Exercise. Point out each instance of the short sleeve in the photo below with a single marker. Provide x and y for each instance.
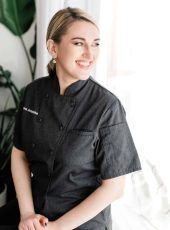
(116, 154)
(17, 135)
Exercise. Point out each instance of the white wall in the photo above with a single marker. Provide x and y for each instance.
(12, 58)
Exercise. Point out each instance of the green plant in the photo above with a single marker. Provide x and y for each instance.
(18, 16)
(7, 116)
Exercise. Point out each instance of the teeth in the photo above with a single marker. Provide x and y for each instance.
(83, 63)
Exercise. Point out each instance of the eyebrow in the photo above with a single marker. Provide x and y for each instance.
(83, 39)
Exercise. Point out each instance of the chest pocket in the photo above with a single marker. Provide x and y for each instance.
(77, 147)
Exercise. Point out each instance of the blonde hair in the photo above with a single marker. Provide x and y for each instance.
(59, 25)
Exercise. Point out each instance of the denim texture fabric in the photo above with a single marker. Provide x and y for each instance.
(73, 142)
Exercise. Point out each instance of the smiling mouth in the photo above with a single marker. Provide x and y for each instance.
(84, 64)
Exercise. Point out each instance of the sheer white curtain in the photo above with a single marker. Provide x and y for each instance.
(45, 10)
(136, 69)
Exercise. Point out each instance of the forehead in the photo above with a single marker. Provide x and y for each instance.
(82, 29)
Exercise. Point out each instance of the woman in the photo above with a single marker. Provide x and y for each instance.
(72, 144)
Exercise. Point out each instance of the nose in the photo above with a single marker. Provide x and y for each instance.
(87, 52)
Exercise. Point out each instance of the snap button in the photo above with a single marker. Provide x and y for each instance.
(51, 152)
(40, 119)
(32, 175)
(72, 103)
(47, 95)
(61, 127)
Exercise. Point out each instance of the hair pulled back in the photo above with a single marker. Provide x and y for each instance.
(59, 25)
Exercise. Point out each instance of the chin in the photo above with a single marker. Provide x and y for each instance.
(83, 77)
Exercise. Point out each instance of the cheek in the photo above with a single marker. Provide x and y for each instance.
(70, 55)
(96, 53)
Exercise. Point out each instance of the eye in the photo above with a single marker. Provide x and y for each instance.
(78, 43)
(95, 44)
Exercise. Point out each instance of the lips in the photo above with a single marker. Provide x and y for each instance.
(84, 64)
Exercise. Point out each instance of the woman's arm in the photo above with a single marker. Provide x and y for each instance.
(109, 191)
(22, 182)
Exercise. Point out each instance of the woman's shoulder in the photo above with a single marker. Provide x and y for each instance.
(114, 111)
(39, 82)
(36, 87)
(103, 92)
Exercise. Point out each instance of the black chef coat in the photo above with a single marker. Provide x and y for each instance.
(72, 142)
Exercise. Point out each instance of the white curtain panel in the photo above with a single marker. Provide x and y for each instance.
(145, 204)
(44, 12)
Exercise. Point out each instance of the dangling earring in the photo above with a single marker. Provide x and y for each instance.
(53, 61)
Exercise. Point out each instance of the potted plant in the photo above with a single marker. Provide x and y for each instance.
(7, 118)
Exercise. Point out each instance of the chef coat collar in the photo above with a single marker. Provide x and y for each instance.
(72, 89)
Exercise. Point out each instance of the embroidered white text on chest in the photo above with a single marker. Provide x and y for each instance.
(30, 110)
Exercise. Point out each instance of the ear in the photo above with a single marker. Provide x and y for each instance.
(52, 48)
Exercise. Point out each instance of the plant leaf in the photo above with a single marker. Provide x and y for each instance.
(16, 15)
(33, 47)
(9, 112)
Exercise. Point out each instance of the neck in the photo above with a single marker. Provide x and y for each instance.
(64, 83)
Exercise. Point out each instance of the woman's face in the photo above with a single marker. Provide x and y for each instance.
(77, 52)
